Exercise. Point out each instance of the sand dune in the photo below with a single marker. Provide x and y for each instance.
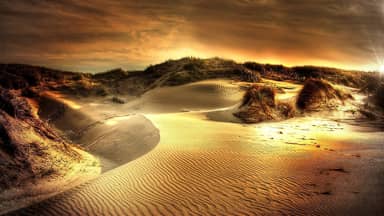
(231, 169)
(301, 166)
(121, 139)
(204, 95)
(115, 137)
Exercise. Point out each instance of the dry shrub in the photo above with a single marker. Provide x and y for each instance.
(319, 93)
(262, 94)
(117, 100)
(100, 90)
(286, 110)
(259, 105)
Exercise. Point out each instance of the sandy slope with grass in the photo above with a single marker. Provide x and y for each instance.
(30, 193)
(207, 162)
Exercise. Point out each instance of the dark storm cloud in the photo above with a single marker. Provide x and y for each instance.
(96, 35)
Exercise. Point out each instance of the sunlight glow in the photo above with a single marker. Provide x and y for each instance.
(381, 69)
(60, 97)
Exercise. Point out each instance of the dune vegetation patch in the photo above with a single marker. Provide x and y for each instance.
(29, 148)
(259, 105)
(375, 90)
(356, 79)
(378, 96)
(174, 73)
(317, 94)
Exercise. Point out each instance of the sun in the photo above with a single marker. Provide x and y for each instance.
(381, 69)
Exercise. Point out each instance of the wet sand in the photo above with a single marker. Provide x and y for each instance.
(302, 166)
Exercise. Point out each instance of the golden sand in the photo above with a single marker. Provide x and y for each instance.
(302, 166)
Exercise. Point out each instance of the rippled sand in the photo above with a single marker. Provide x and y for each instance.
(201, 167)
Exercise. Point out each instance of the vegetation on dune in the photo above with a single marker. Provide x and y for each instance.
(113, 74)
(259, 102)
(378, 96)
(18, 76)
(355, 79)
(187, 70)
(175, 72)
(259, 105)
(117, 100)
(169, 73)
(29, 148)
(375, 89)
(263, 94)
(193, 69)
(318, 93)
(26, 78)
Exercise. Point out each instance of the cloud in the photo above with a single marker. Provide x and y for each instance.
(97, 35)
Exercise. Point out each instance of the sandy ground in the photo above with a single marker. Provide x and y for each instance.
(311, 165)
(16, 198)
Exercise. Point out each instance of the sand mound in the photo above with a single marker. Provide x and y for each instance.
(29, 148)
(259, 105)
(203, 95)
(116, 138)
(318, 94)
(120, 140)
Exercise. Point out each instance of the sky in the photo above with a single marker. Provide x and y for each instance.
(98, 35)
